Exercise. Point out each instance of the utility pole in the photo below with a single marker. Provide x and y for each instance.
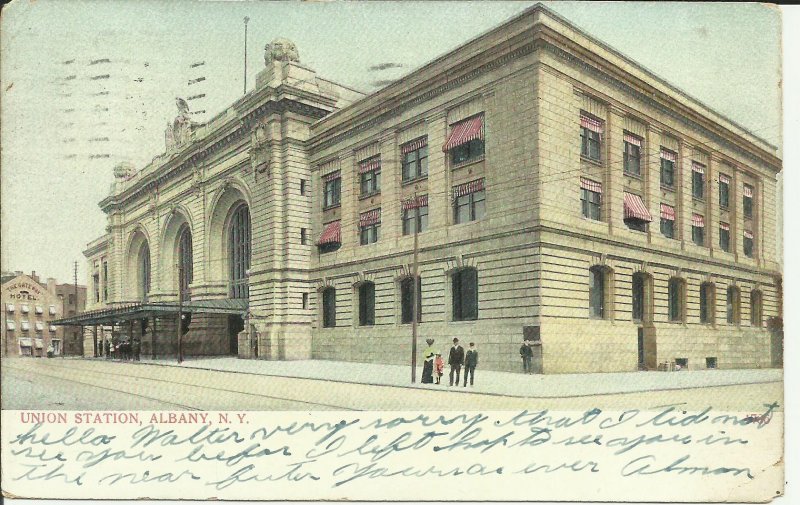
(180, 311)
(414, 301)
(246, 19)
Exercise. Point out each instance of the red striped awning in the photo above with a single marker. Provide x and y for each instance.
(669, 155)
(410, 203)
(698, 221)
(724, 226)
(634, 207)
(632, 139)
(369, 218)
(724, 179)
(331, 234)
(332, 176)
(464, 131)
(748, 234)
(591, 124)
(414, 145)
(748, 191)
(667, 212)
(369, 165)
(467, 188)
(698, 167)
(591, 185)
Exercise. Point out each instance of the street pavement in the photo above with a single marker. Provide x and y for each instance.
(234, 384)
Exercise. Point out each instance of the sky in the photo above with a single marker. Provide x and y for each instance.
(85, 84)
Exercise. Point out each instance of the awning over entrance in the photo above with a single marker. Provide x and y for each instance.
(127, 312)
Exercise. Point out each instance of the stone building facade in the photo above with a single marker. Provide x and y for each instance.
(29, 306)
(563, 195)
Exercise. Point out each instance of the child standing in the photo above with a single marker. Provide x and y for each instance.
(438, 367)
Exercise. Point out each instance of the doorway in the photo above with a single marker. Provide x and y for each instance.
(235, 325)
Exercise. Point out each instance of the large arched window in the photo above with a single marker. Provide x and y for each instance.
(366, 304)
(597, 292)
(239, 251)
(144, 271)
(407, 300)
(185, 261)
(641, 297)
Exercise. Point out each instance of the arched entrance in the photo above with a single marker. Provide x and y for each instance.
(238, 239)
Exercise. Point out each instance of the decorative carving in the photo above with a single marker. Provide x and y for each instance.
(153, 204)
(124, 170)
(280, 49)
(179, 132)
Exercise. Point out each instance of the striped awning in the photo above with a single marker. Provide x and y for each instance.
(331, 234)
(724, 179)
(410, 203)
(667, 212)
(669, 155)
(748, 234)
(369, 165)
(724, 226)
(332, 176)
(748, 191)
(464, 131)
(698, 167)
(414, 145)
(369, 218)
(467, 188)
(632, 139)
(698, 221)
(591, 185)
(591, 124)
(634, 208)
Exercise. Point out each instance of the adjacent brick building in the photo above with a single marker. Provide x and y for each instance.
(563, 195)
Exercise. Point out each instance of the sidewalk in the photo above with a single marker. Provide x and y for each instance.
(487, 382)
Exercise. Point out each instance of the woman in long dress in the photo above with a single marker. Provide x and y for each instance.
(427, 366)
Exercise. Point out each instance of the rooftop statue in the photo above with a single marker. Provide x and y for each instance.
(280, 49)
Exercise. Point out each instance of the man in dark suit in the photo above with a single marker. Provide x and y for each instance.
(455, 361)
(470, 362)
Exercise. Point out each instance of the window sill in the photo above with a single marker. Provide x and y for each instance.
(698, 199)
(637, 177)
(330, 207)
(369, 195)
(467, 321)
(408, 182)
(458, 224)
(593, 161)
(667, 188)
(468, 162)
(724, 207)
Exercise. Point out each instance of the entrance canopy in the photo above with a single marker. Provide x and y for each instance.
(141, 310)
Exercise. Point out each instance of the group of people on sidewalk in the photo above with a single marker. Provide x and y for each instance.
(434, 364)
(126, 350)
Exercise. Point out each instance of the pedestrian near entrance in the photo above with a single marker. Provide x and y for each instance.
(137, 348)
(455, 360)
(107, 346)
(527, 353)
(470, 362)
(438, 367)
(427, 365)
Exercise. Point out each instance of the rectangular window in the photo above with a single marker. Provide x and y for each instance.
(637, 297)
(333, 190)
(415, 158)
(632, 155)
(698, 180)
(370, 173)
(469, 202)
(675, 299)
(410, 221)
(303, 236)
(725, 237)
(465, 294)
(370, 224)
(465, 142)
(329, 308)
(590, 199)
(667, 220)
(698, 228)
(724, 190)
(711, 363)
(96, 283)
(305, 300)
(747, 201)
(668, 159)
(366, 304)
(591, 137)
(706, 303)
(70, 299)
(302, 187)
(105, 281)
(747, 244)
